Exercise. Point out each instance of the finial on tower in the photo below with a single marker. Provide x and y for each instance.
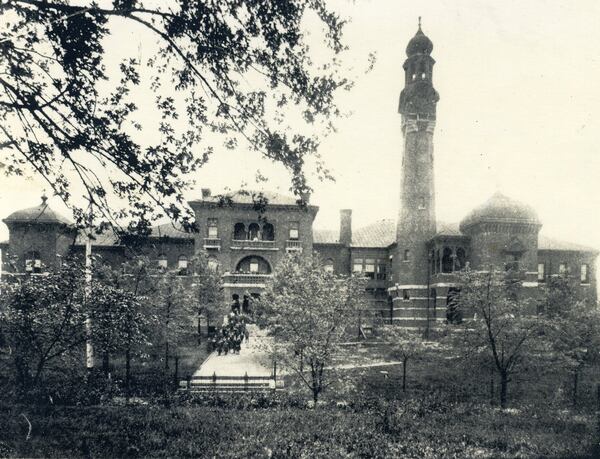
(419, 22)
(44, 197)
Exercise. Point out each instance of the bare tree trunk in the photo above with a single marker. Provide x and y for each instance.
(128, 372)
(575, 386)
(404, 374)
(199, 326)
(105, 363)
(492, 384)
(503, 389)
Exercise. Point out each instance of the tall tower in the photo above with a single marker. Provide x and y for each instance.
(416, 222)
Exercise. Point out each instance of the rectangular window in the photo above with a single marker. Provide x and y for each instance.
(585, 277)
(541, 273)
(562, 268)
(381, 269)
(253, 266)
(162, 262)
(213, 231)
(294, 231)
(357, 266)
(370, 267)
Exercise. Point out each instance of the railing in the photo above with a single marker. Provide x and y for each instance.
(292, 246)
(229, 383)
(212, 243)
(256, 244)
(231, 279)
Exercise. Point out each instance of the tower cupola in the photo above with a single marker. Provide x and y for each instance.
(419, 44)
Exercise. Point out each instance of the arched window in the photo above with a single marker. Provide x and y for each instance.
(182, 264)
(268, 232)
(447, 260)
(213, 263)
(253, 231)
(253, 264)
(162, 261)
(239, 232)
(328, 265)
(33, 262)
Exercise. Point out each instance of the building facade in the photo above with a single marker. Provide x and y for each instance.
(410, 263)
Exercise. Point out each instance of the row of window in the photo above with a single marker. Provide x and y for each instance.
(254, 231)
(564, 269)
(373, 268)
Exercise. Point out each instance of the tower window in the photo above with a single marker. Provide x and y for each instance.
(406, 255)
(422, 205)
(414, 76)
(585, 277)
(405, 295)
(423, 76)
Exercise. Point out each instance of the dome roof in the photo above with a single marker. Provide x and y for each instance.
(39, 214)
(500, 209)
(419, 44)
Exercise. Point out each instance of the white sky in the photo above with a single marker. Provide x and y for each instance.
(518, 113)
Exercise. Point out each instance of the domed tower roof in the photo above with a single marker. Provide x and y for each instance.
(500, 209)
(419, 44)
(39, 214)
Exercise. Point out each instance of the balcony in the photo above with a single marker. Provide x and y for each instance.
(212, 243)
(293, 246)
(256, 244)
(245, 280)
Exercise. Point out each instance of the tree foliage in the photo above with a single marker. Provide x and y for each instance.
(503, 329)
(308, 311)
(41, 322)
(223, 69)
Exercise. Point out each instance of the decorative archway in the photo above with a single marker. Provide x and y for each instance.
(253, 264)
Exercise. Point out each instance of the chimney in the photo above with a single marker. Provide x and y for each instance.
(346, 226)
(205, 193)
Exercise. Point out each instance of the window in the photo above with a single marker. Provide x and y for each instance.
(381, 270)
(357, 266)
(405, 295)
(253, 232)
(541, 272)
(33, 263)
(585, 278)
(162, 261)
(213, 231)
(182, 264)
(370, 268)
(423, 76)
(254, 265)
(406, 255)
(239, 232)
(329, 265)
(562, 268)
(294, 231)
(414, 77)
(422, 205)
(213, 264)
(268, 232)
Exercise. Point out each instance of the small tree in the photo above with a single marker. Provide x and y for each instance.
(576, 338)
(405, 345)
(307, 311)
(176, 306)
(502, 329)
(208, 287)
(41, 318)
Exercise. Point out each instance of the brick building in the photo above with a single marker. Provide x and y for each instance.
(410, 264)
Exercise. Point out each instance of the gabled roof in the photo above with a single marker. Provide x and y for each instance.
(546, 243)
(379, 234)
(109, 238)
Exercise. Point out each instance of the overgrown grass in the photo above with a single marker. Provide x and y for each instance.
(420, 429)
